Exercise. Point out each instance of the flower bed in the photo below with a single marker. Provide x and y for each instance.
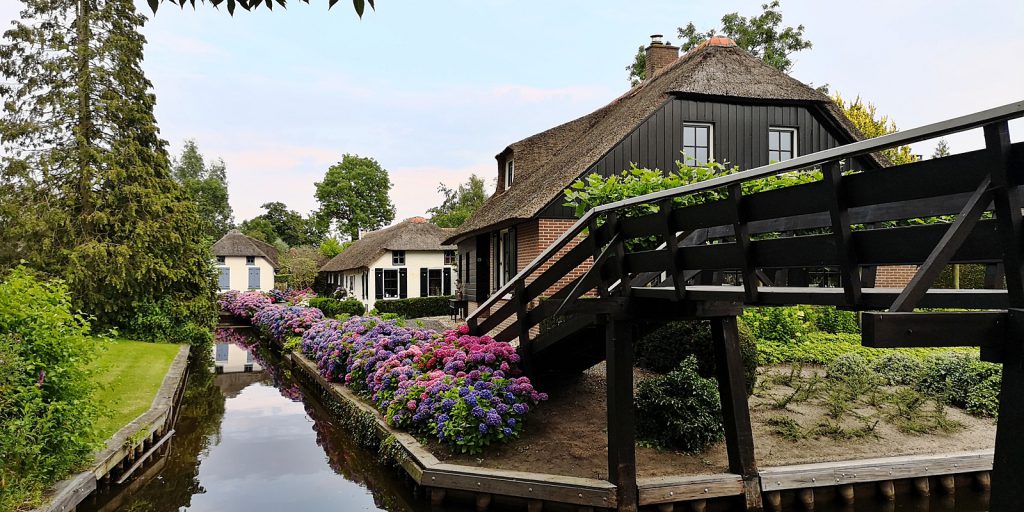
(291, 296)
(243, 304)
(466, 391)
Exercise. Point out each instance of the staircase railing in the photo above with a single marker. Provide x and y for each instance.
(946, 186)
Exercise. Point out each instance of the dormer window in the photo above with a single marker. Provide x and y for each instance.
(250, 260)
(510, 173)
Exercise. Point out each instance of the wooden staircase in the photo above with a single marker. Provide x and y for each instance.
(851, 221)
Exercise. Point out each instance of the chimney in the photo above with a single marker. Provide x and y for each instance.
(660, 55)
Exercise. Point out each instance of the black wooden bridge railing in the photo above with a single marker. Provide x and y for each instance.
(847, 220)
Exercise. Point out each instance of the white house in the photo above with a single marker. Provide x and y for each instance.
(245, 263)
(401, 261)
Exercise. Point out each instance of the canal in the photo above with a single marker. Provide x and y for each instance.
(251, 438)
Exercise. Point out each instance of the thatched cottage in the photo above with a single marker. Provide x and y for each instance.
(245, 263)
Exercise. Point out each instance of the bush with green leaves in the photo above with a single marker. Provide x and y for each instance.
(663, 349)
(849, 367)
(417, 307)
(334, 307)
(185, 321)
(46, 404)
(679, 410)
(897, 368)
(834, 321)
(782, 325)
(956, 377)
(823, 348)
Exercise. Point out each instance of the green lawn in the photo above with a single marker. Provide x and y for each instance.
(128, 374)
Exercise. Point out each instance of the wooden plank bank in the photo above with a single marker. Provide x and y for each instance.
(129, 448)
(534, 492)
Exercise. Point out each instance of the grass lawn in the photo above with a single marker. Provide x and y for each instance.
(128, 374)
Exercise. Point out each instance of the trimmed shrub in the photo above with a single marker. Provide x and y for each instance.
(416, 307)
(782, 325)
(334, 307)
(983, 398)
(897, 368)
(955, 377)
(663, 349)
(680, 410)
(834, 321)
(46, 404)
(849, 367)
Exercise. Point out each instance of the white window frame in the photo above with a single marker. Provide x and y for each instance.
(449, 258)
(250, 261)
(440, 291)
(502, 252)
(510, 173)
(711, 141)
(222, 260)
(793, 133)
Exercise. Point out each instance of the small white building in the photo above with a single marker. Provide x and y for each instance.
(245, 263)
(401, 261)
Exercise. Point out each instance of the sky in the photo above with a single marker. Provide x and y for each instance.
(434, 89)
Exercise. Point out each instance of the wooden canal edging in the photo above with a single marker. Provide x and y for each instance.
(664, 492)
(128, 447)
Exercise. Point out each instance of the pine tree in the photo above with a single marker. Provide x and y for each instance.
(89, 174)
(206, 185)
(941, 149)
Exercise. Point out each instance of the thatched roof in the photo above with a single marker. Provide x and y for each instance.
(415, 234)
(550, 161)
(234, 243)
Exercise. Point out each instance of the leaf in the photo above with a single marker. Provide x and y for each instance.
(331, 3)
(360, 5)
(231, 7)
(153, 4)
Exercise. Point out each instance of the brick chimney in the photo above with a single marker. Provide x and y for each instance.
(660, 55)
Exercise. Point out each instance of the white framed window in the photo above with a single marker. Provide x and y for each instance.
(506, 256)
(510, 173)
(435, 282)
(398, 257)
(698, 143)
(250, 260)
(781, 144)
(220, 260)
(391, 283)
(449, 258)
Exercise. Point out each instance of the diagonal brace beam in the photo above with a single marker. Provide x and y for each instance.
(945, 249)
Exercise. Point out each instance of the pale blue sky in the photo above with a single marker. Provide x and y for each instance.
(434, 89)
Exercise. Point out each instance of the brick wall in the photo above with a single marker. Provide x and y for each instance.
(894, 276)
(547, 231)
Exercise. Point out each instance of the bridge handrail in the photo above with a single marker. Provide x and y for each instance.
(958, 124)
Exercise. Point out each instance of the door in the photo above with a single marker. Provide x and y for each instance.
(254, 278)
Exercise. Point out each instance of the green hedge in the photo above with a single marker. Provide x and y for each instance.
(334, 307)
(415, 307)
(663, 349)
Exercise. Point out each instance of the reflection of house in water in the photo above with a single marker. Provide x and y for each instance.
(231, 358)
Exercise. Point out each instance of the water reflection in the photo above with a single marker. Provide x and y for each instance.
(252, 439)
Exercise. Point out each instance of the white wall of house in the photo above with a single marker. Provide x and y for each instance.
(238, 273)
(230, 358)
(415, 261)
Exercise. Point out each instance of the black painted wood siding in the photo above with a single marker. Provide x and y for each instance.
(740, 135)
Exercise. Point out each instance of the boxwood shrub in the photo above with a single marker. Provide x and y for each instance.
(680, 410)
(664, 348)
(334, 307)
(417, 307)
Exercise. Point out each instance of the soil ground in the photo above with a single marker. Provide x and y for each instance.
(566, 436)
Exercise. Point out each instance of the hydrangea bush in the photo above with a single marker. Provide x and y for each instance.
(466, 391)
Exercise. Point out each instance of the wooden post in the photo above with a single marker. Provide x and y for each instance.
(483, 502)
(735, 412)
(774, 501)
(887, 490)
(806, 498)
(846, 493)
(621, 423)
(1008, 462)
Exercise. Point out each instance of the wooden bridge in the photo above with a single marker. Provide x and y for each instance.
(853, 221)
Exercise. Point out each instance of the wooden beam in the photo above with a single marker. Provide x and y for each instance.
(959, 329)
(849, 271)
(672, 245)
(1008, 204)
(621, 422)
(732, 388)
(598, 250)
(946, 248)
(742, 233)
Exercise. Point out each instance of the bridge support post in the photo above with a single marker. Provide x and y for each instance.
(621, 422)
(739, 438)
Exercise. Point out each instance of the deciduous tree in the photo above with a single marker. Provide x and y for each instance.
(459, 203)
(865, 116)
(353, 196)
(763, 36)
(207, 185)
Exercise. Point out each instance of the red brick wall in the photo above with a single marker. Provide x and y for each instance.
(894, 276)
(547, 231)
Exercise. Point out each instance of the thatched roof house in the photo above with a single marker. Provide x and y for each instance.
(234, 243)
(717, 101)
(413, 234)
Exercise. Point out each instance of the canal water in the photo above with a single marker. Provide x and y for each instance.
(250, 438)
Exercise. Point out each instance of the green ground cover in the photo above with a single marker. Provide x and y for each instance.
(128, 375)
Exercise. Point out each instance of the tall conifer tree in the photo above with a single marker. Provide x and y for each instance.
(92, 198)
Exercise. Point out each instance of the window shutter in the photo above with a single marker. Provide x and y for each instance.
(403, 284)
(513, 264)
(379, 282)
(254, 278)
(447, 282)
(225, 278)
(423, 282)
